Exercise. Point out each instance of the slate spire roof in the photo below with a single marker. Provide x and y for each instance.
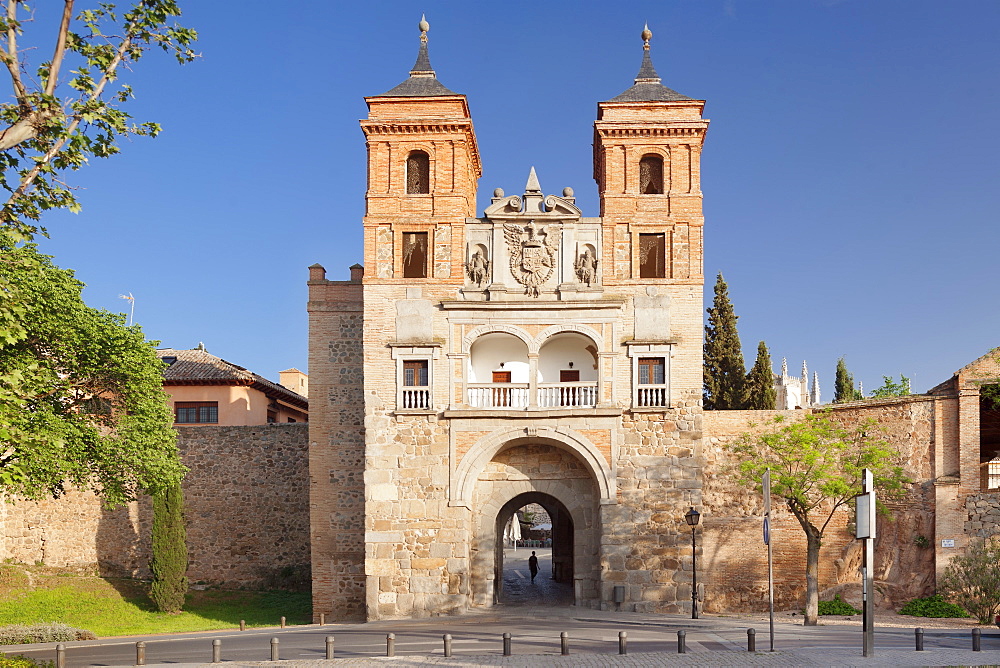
(423, 80)
(647, 87)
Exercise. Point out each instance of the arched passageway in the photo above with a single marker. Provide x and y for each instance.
(554, 582)
(546, 472)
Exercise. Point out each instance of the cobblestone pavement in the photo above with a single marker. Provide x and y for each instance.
(520, 591)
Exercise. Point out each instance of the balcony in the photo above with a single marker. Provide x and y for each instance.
(568, 395)
(498, 395)
(652, 396)
(416, 398)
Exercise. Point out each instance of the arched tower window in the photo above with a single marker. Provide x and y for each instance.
(418, 173)
(651, 174)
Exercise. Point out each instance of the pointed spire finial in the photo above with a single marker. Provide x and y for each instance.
(533, 185)
(424, 27)
(647, 35)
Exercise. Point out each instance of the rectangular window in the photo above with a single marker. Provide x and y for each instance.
(652, 255)
(414, 255)
(569, 376)
(651, 371)
(415, 373)
(197, 412)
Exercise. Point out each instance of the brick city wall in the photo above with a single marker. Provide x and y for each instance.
(246, 513)
(736, 557)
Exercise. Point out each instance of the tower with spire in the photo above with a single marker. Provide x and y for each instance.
(794, 391)
(530, 354)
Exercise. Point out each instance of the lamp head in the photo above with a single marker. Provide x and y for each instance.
(692, 516)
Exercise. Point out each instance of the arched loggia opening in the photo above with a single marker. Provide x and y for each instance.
(554, 583)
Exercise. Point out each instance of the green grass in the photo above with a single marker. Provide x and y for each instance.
(111, 607)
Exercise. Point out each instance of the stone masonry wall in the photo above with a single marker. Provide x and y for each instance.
(645, 543)
(984, 515)
(336, 436)
(736, 557)
(246, 515)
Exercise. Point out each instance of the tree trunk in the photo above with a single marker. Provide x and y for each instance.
(813, 540)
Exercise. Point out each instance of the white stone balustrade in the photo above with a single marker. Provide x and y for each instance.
(652, 395)
(568, 395)
(498, 395)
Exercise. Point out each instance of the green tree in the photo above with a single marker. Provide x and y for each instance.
(844, 388)
(70, 107)
(725, 372)
(760, 382)
(169, 550)
(816, 468)
(973, 580)
(890, 388)
(81, 394)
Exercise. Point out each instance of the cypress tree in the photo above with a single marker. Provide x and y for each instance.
(169, 560)
(844, 385)
(760, 382)
(725, 372)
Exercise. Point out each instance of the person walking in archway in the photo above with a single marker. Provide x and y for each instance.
(533, 565)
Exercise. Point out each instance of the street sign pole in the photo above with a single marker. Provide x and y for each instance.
(865, 531)
(770, 553)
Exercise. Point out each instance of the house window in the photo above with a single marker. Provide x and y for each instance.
(415, 373)
(418, 173)
(414, 255)
(651, 175)
(651, 371)
(652, 254)
(196, 412)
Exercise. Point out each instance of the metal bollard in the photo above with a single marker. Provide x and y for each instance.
(274, 649)
(622, 642)
(506, 644)
(243, 625)
(322, 619)
(682, 642)
(329, 648)
(918, 634)
(564, 643)
(976, 640)
(751, 640)
(216, 651)
(282, 622)
(390, 644)
(447, 644)
(140, 653)
(60, 656)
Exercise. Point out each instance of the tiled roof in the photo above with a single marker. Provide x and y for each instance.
(199, 367)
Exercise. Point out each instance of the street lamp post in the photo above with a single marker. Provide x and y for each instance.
(691, 517)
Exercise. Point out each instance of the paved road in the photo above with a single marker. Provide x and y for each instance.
(520, 591)
(593, 640)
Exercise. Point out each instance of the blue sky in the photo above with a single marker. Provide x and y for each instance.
(850, 172)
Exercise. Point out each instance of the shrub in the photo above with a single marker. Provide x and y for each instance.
(973, 580)
(19, 661)
(18, 634)
(932, 606)
(837, 607)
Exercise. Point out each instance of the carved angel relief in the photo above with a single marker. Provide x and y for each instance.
(532, 254)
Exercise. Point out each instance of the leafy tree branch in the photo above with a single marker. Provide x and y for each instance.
(60, 122)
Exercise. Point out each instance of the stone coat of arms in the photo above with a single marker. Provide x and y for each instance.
(532, 254)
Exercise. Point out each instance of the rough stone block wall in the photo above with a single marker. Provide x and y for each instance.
(336, 453)
(246, 514)
(645, 543)
(984, 515)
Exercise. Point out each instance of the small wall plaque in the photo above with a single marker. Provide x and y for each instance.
(948, 542)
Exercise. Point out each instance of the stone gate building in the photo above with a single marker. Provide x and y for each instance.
(534, 354)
